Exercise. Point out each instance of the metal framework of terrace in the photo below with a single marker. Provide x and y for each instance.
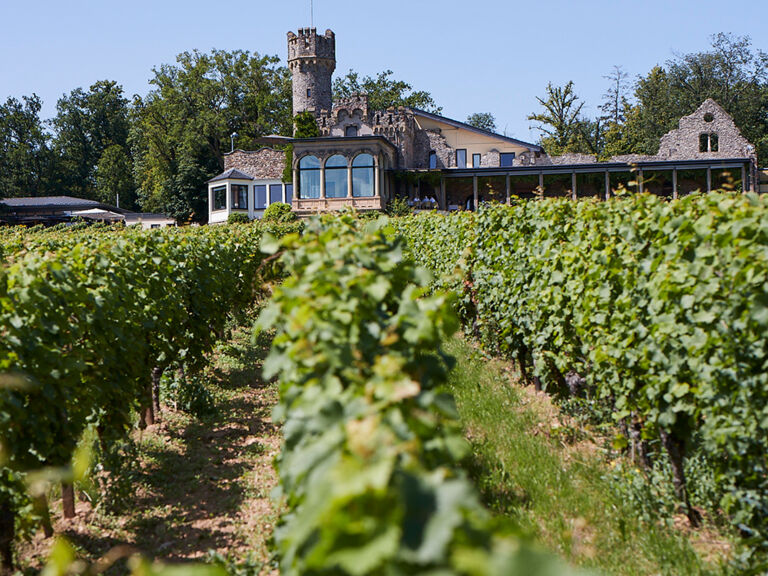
(603, 168)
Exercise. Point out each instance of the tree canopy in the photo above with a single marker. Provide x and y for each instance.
(633, 120)
(384, 92)
(482, 120)
(181, 129)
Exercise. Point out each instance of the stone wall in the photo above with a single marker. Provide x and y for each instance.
(710, 118)
(262, 164)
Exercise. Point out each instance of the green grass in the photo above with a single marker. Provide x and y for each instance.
(563, 497)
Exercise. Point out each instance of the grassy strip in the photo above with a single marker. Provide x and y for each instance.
(562, 496)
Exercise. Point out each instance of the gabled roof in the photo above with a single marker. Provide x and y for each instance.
(231, 174)
(469, 127)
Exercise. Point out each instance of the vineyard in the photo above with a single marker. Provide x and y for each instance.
(643, 316)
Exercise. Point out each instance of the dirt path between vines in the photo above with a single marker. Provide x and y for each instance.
(200, 488)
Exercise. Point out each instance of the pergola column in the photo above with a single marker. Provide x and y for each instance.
(541, 183)
(349, 180)
(322, 180)
(475, 194)
(709, 179)
(508, 189)
(443, 195)
(674, 184)
(743, 179)
(640, 183)
(607, 185)
(376, 183)
(295, 186)
(574, 195)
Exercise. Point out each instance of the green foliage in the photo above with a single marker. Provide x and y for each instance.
(482, 120)
(91, 144)
(188, 393)
(660, 306)
(181, 129)
(25, 155)
(238, 218)
(288, 168)
(399, 206)
(372, 442)
(280, 213)
(305, 125)
(114, 178)
(383, 92)
(89, 316)
(562, 123)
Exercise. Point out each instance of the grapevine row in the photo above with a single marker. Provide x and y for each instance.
(89, 321)
(370, 463)
(658, 309)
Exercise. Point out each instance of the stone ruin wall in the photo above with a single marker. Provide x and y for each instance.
(710, 118)
(262, 164)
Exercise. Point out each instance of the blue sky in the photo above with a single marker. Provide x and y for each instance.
(484, 56)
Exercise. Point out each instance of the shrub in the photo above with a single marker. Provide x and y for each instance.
(238, 218)
(399, 207)
(279, 212)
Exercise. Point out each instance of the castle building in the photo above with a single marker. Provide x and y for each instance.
(363, 158)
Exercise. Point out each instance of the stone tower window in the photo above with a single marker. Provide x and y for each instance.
(432, 160)
(708, 117)
(350, 131)
(309, 93)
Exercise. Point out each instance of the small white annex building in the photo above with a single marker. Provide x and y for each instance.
(235, 192)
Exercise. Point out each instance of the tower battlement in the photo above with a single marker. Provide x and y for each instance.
(308, 44)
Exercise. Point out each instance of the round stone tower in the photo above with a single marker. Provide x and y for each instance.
(311, 60)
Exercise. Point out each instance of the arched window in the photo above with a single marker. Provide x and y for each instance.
(362, 176)
(309, 177)
(336, 177)
(350, 131)
(432, 160)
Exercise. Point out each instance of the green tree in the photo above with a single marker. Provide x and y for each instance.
(730, 72)
(114, 178)
(25, 156)
(181, 129)
(384, 92)
(482, 120)
(561, 123)
(87, 124)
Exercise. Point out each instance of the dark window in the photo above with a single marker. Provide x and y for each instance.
(336, 180)
(288, 193)
(239, 197)
(309, 93)
(275, 193)
(219, 198)
(507, 159)
(261, 196)
(475, 160)
(432, 160)
(709, 142)
(350, 131)
(708, 117)
(703, 142)
(362, 176)
(461, 158)
(309, 177)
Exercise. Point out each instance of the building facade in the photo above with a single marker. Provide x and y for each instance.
(364, 158)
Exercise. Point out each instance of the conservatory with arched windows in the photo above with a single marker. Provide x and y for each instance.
(331, 173)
